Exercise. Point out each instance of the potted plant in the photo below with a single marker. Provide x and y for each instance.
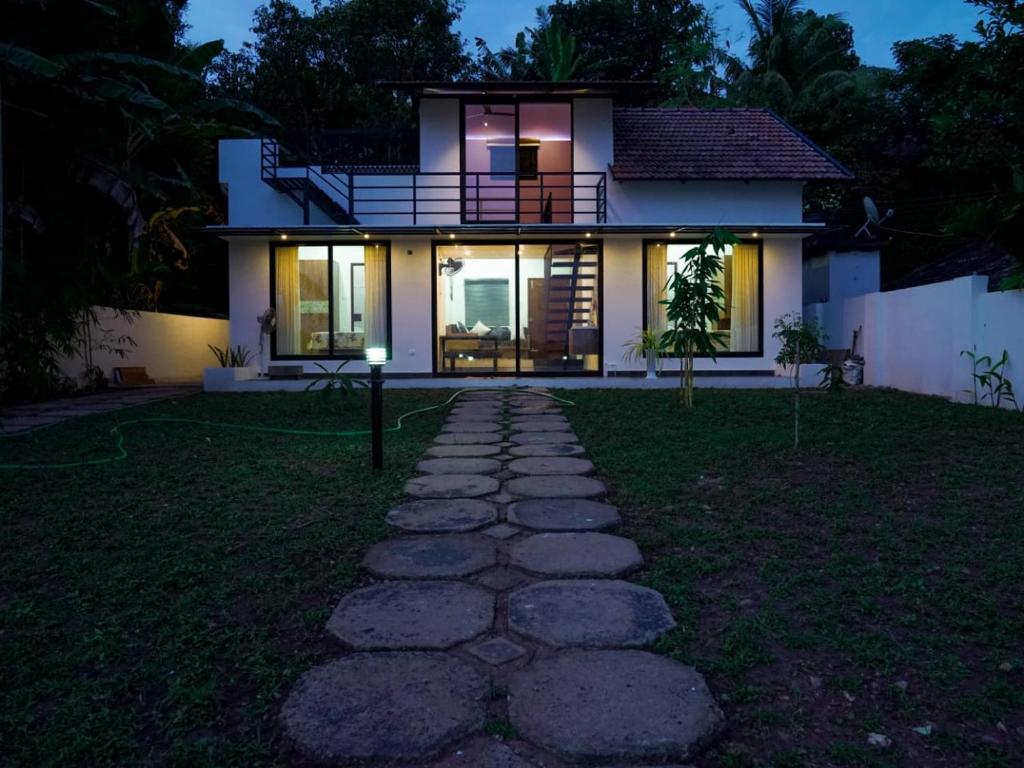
(234, 366)
(645, 345)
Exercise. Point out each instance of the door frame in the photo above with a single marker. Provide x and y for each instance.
(515, 243)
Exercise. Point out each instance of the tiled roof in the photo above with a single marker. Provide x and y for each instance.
(691, 143)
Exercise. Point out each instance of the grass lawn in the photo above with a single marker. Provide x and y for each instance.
(152, 611)
(871, 582)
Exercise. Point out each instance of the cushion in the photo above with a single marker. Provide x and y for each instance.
(480, 329)
(462, 327)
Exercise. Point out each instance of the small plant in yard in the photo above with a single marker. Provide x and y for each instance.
(645, 345)
(336, 380)
(802, 342)
(697, 303)
(832, 380)
(990, 381)
(232, 357)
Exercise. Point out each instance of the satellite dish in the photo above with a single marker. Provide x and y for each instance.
(874, 218)
(450, 267)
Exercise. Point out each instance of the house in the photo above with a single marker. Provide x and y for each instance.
(534, 236)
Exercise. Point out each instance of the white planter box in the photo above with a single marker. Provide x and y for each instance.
(223, 379)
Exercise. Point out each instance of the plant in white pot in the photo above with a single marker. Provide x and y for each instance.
(645, 346)
(234, 366)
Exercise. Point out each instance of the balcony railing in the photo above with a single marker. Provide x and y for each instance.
(546, 197)
(404, 196)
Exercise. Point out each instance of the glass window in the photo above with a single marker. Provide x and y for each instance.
(331, 301)
(740, 323)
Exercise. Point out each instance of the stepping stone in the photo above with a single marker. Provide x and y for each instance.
(535, 425)
(468, 438)
(589, 614)
(540, 419)
(501, 531)
(431, 557)
(477, 396)
(496, 651)
(528, 410)
(475, 415)
(500, 579)
(551, 486)
(484, 752)
(547, 449)
(471, 426)
(564, 515)
(576, 555)
(433, 615)
(457, 466)
(558, 465)
(443, 515)
(451, 486)
(463, 451)
(542, 438)
(384, 706)
(613, 705)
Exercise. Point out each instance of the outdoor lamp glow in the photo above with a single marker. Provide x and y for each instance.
(376, 355)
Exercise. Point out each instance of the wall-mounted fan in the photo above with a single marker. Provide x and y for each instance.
(450, 267)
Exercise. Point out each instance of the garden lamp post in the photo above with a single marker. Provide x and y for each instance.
(375, 358)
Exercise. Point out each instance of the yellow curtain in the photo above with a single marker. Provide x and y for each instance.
(743, 336)
(375, 319)
(657, 276)
(286, 288)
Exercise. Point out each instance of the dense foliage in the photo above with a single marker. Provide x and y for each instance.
(110, 118)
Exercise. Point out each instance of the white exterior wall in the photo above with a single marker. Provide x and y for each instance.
(172, 348)
(832, 278)
(912, 339)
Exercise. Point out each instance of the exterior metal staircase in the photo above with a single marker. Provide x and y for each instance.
(571, 293)
(307, 186)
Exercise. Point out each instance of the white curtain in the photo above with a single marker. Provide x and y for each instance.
(286, 288)
(745, 280)
(657, 276)
(375, 319)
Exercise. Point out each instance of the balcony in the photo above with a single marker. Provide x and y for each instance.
(405, 196)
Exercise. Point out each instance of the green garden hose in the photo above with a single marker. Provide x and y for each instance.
(122, 452)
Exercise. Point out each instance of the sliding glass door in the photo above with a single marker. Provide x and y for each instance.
(517, 163)
(517, 308)
(330, 300)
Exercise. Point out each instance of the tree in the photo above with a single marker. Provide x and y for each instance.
(106, 121)
(695, 304)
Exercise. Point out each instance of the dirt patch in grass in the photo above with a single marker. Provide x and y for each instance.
(870, 583)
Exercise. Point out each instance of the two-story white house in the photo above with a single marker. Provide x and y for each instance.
(535, 235)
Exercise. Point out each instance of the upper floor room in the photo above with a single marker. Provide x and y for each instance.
(493, 154)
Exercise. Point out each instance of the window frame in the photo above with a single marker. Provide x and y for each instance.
(331, 308)
(759, 242)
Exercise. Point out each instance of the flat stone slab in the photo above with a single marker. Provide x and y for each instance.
(553, 486)
(542, 438)
(539, 408)
(484, 752)
(576, 555)
(547, 449)
(501, 531)
(463, 451)
(564, 515)
(443, 515)
(543, 418)
(471, 426)
(589, 614)
(459, 466)
(384, 706)
(553, 465)
(468, 438)
(496, 651)
(396, 615)
(536, 425)
(451, 486)
(426, 557)
(613, 705)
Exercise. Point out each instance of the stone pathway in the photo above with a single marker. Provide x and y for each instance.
(502, 609)
(22, 418)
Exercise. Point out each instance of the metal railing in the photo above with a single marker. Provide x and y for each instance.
(444, 198)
